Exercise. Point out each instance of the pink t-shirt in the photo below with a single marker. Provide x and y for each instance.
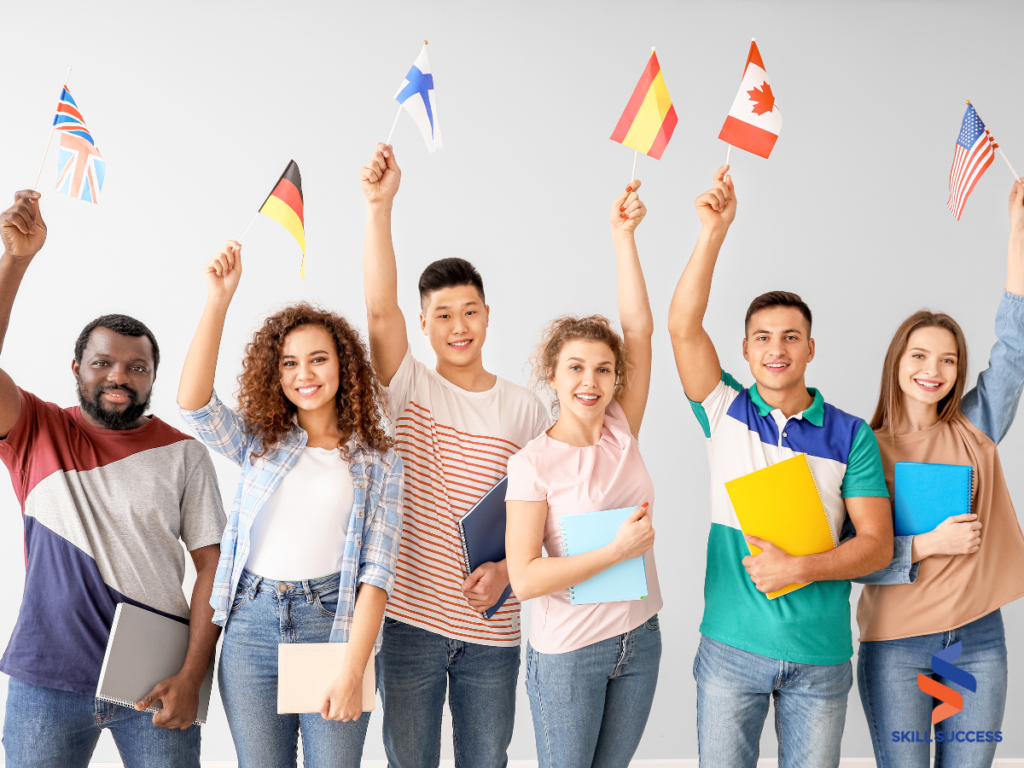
(609, 475)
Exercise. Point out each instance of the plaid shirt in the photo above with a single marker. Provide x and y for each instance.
(375, 526)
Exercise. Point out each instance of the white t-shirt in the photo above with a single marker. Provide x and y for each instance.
(300, 532)
(454, 445)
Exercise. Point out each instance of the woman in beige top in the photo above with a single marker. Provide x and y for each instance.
(930, 624)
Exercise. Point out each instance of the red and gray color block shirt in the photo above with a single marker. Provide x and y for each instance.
(104, 511)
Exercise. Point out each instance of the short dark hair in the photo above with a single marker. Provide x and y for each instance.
(777, 299)
(448, 273)
(120, 324)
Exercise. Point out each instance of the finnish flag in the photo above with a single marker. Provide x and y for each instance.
(416, 94)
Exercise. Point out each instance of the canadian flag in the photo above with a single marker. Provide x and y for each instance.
(754, 121)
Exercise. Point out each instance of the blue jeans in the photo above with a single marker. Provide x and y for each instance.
(895, 706)
(733, 689)
(414, 670)
(49, 728)
(590, 706)
(264, 614)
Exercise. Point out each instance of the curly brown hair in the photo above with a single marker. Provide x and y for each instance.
(566, 328)
(269, 415)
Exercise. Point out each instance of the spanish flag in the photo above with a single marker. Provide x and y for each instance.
(284, 205)
(649, 118)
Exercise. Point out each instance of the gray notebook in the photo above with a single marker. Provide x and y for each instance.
(145, 648)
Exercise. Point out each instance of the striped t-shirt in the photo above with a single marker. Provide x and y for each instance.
(104, 512)
(455, 445)
(812, 624)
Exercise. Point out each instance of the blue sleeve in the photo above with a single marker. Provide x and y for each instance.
(220, 428)
(992, 404)
(900, 571)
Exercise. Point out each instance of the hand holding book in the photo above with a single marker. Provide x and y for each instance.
(770, 567)
(635, 536)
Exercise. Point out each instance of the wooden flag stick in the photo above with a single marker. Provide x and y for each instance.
(391, 133)
(1018, 178)
(251, 222)
(49, 138)
(635, 153)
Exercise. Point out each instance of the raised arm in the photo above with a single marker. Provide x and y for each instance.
(223, 272)
(23, 232)
(696, 358)
(634, 306)
(388, 340)
(1015, 255)
(992, 404)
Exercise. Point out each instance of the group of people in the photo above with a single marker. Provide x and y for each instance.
(357, 461)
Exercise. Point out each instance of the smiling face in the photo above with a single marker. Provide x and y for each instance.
(928, 367)
(455, 321)
(778, 347)
(309, 368)
(115, 379)
(584, 379)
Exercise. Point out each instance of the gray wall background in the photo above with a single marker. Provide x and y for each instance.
(198, 106)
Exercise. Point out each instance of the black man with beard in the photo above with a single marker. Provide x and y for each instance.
(107, 493)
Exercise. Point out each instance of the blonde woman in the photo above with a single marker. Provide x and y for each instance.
(591, 669)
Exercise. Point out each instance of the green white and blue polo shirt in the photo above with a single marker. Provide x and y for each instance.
(745, 434)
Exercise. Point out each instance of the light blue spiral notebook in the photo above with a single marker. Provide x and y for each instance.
(926, 494)
(592, 530)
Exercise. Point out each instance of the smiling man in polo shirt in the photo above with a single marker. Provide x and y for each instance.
(795, 649)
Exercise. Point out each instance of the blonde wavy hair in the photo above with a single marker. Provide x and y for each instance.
(560, 332)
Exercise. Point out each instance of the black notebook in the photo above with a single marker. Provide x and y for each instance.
(483, 535)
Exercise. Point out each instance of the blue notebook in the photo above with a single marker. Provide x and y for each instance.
(593, 530)
(483, 535)
(926, 494)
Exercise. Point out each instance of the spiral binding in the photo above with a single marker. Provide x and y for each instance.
(970, 488)
(828, 517)
(565, 553)
(465, 550)
(131, 705)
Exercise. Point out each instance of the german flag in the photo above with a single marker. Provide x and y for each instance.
(284, 205)
(649, 118)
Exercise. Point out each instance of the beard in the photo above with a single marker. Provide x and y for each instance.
(120, 420)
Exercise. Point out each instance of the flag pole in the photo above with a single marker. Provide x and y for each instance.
(251, 222)
(392, 131)
(49, 138)
(635, 153)
(727, 153)
(1018, 178)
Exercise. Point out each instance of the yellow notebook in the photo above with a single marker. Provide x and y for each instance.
(781, 504)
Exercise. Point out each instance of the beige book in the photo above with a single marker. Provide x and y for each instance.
(304, 670)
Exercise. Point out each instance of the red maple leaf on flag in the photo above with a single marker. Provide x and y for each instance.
(763, 99)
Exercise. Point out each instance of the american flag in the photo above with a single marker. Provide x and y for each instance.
(975, 150)
(80, 168)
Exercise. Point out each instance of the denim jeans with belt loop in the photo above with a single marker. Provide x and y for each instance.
(264, 614)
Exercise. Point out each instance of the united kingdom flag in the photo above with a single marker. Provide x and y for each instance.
(80, 168)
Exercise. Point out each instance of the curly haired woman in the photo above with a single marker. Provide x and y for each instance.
(310, 549)
(591, 670)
